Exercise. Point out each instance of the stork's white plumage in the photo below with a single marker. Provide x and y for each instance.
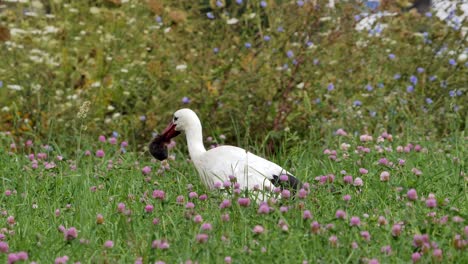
(216, 165)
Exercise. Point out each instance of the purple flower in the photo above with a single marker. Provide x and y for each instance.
(263, 4)
(248, 45)
(280, 29)
(70, 233)
(300, 3)
(355, 221)
(239, 2)
(206, 227)
(397, 76)
(412, 194)
(225, 204)
(109, 244)
(429, 100)
(258, 229)
(4, 247)
(266, 38)
(185, 100)
(420, 70)
(357, 103)
(391, 56)
(215, 50)
(210, 15)
(290, 53)
(307, 215)
(219, 3)
(149, 208)
(146, 170)
(410, 89)
(244, 202)
(414, 79)
(202, 238)
(416, 257)
(330, 87)
(396, 230)
(263, 209)
(159, 194)
(340, 214)
(369, 88)
(357, 18)
(452, 62)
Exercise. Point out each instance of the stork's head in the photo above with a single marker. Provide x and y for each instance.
(183, 120)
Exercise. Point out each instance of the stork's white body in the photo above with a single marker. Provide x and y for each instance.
(217, 164)
(250, 170)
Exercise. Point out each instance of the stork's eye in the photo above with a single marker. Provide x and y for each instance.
(175, 118)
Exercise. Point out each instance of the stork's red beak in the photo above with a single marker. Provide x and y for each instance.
(170, 132)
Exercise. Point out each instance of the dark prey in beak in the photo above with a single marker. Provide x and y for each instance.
(158, 147)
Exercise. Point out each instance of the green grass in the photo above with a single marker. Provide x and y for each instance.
(38, 193)
(93, 67)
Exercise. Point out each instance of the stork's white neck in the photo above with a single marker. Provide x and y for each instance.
(195, 139)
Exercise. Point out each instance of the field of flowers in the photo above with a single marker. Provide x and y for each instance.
(366, 105)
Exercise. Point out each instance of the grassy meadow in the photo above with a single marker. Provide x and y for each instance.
(373, 122)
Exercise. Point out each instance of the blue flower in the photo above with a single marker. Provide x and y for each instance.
(300, 3)
(452, 62)
(369, 88)
(266, 38)
(373, 113)
(330, 87)
(185, 100)
(357, 18)
(357, 103)
(428, 14)
(420, 70)
(285, 66)
(372, 4)
(309, 43)
(294, 62)
(397, 76)
(414, 80)
(216, 50)
(142, 118)
(452, 93)
(248, 45)
(432, 78)
(210, 15)
(290, 53)
(280, 29)
(429, 100)
(317, 101)
(380, 85)
(391, 56)
(219, 4)
(263, 4)
(158, 19)
(1, 84)
(115, 134)
(410, 88)
(239, 2)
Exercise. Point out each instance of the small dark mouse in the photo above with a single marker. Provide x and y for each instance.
(158, 147)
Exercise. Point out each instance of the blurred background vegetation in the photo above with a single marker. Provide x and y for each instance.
(266, 70)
